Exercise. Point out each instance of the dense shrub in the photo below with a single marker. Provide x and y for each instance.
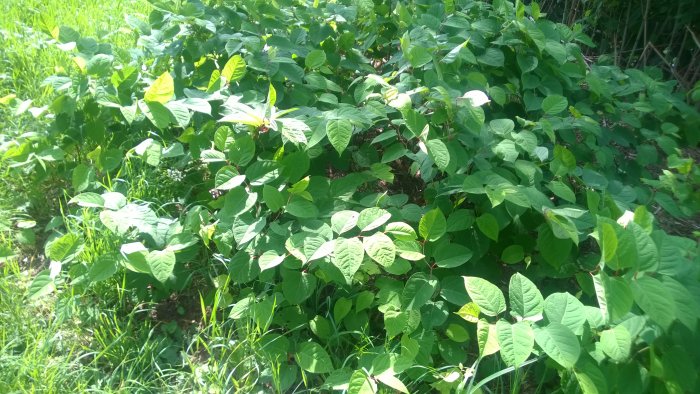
(360, 183)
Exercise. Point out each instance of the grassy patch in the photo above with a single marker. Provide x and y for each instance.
(26, 55)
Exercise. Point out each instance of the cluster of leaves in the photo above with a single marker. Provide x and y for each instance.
(379, 173)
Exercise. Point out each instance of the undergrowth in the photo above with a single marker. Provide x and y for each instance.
(412, 196)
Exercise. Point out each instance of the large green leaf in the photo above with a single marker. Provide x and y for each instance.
(616, 343)
(433, 225)
(419, 289)
(344, 221)
(161, 263)
(339, 132)
(380, 248)
(234, 69)
(65, 248)
(360, 383)
(487, 338)
(651, 295)
(565, 309)
(439, 153)
(452, 255)
(313, 358)
(614, 295)
(161, 90)
(371, 218)
(560, 344)
(516, 341)
(347, 256)
(486, 295)
(42, 285)
(488, 225)
(589, 376)
(554, 104)
(526, 301)
(397, 322)
(315, 59)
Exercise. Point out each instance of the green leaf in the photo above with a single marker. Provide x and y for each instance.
(415, 121)
(347, 256)
(242, 150)
(161, 264)
(104, 267)
(616, 343)
(162, 90)
(487, 337)
(516, 342)
(392, 381)
(297, 286)
(245, 228)
(339, 132)
(294, 130)
(560, 344)
(302, 208)
(565, 309)
(418, 291)
(419, 56)
(88, 200)
(488, 225)
(652, 296)
(342, 307)
(506, 150)
(469, 312)
(401, 230)
(687, 306)
(614, 296)
(526, 302)
(82, 177)
(562, 191)
(513, 254)
(647, 252)
(41, 286)
(608, 241)
(315, 59)
(590, 378)
(371, 218)
(492, 57)
(313, 358)
(562, 227)
(227, 178)
(66, 248)
(364, 300)
(360, 383)
(502, 126)
(486, 295)
(554, 250)
(344, 221)
(273, 198)
(432, 225)
(554, 104)
(270, 259)
(380, 248)
(397, 322)
(234, 69)
(437, 150)
(527, 63)
(452, 255)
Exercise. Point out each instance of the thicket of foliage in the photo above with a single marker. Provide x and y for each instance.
(414, 195)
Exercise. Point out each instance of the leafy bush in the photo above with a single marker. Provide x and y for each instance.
(359, 184)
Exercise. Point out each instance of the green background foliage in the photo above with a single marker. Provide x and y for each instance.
(411, 196)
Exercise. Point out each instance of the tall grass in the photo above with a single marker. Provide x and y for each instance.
(26, 55)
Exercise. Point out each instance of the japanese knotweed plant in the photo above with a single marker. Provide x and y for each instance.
(364, 180)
